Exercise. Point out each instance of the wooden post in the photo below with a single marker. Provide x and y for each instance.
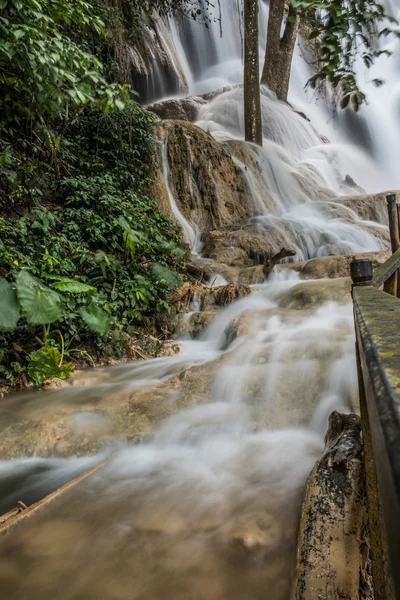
(391, 285)
(361, 271)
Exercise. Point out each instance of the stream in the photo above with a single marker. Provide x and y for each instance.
(207, 505)
(206, 453)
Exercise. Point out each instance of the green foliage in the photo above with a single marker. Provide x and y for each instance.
(80, 237)
(94, 236)
(46, 66)
(95, 318)
(65, 284)
(46, 363)
(343, 30)
(9, 310)
(39, 303)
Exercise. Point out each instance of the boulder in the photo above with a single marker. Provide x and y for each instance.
(196, 296)
(207, 269)
(182, 109)
(333, 550)
(226, 294)
(307, 294)
(242, 246)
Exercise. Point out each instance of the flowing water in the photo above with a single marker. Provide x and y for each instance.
(207, 452)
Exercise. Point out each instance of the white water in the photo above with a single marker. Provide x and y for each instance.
(208, 506)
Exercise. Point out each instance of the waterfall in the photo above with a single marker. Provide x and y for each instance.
(191, 233)
(301, 161)
(207, 504)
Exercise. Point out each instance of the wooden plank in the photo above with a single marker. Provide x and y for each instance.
(377, 319)
(382, 273)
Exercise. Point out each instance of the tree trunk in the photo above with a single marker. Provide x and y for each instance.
(279, 50)
(252, 98)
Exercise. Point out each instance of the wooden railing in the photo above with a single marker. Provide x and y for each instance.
(377, 324)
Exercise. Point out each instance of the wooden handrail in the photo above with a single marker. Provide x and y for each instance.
(386, 270)
(377, 321)
(377, 325)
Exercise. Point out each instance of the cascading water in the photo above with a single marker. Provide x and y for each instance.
(295, 166)
(207, 505)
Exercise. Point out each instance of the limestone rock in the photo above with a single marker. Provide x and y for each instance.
(203, 177)
(329, 556)
(256, 246)
(182, 109)
(207, 269)
(226, 294)
(370, 207)
(333, 266)
(313, 293)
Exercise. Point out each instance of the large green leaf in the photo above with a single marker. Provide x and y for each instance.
(72, 286)
(95, 318)
(45, 364)
(40, 304)
(9, 310)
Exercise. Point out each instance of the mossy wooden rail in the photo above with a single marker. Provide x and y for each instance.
(377, 324)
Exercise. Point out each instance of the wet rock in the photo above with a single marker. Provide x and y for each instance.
(196, 296)
(226, 294)
(234, 257)
(54, 384)
(370, 207)
(251, 275)
(199, 322)
(313, 293)
(349, 182)
(169, 348)
(182, 109)
(190, 296)
(255, 246)
(331, 535)
(203, 177)
(207, 268)
(153, 63)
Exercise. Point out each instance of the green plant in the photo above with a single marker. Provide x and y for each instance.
(46, 363)
(42, 306)
(46, 67)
